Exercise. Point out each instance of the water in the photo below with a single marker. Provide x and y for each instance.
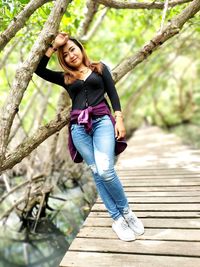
(44, 249)
(47, 246)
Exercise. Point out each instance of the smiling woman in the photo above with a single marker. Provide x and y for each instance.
(94, 135)
(74, 61)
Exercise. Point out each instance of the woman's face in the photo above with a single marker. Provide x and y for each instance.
(72, 54)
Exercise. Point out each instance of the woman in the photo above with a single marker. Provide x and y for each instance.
(93, 133)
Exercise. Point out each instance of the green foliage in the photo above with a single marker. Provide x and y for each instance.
(164, 77)
(8, 10)
(189, 134)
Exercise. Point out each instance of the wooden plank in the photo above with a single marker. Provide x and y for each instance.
(155, 173)
(169, 223)
(85, 259)
(153, 214)
(186, 200)
(160, 180)
(164, 194)
(161, 188)
(156, 206)
(150, 234)
(167, 182)
(158, 176)
(160, 169)
(155, 247)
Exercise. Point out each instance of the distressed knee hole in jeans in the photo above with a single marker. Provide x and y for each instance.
(103, 162)
(93, 168)
(105, 168)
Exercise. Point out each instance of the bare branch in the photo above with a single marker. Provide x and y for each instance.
(36, 139)
(63, 102)
(95, 27)
(92, 8)
(34, 196)
(166, 5)
(19, 21)
(135, 5)
(7, 53)
(168, 32)
(36, 178)
(20, 118)
(134, 98)
(139, 91)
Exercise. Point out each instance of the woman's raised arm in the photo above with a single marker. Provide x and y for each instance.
(56, 77)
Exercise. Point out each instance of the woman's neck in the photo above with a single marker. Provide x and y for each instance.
(82, 68)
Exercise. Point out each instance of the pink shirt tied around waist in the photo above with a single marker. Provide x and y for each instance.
(84, 117)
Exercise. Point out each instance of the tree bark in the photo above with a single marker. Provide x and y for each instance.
(134, 5)
(95, 27)
(24, 73)
(92, 8)
(168, 32)
(19, 22)
(42, 133)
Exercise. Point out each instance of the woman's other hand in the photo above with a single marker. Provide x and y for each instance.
(120, 131)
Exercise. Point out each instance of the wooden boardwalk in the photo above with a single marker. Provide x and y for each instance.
(161, 177)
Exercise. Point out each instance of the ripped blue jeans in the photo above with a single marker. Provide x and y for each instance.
(97, 150)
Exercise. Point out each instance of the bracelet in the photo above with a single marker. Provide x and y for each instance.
(54, 49)
(119, 115)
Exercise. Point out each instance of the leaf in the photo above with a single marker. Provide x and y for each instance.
(76, 23)
(67, 14)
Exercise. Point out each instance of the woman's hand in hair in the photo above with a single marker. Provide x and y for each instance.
(60, 39)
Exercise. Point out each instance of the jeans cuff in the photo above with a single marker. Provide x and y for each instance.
(116, 218)
(126, 210)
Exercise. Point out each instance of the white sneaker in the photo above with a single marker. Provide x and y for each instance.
(120, 227)
(134, 223)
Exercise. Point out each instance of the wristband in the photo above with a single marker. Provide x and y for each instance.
(54, 49)
(119, 115)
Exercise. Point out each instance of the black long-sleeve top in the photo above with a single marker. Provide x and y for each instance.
(83, 93)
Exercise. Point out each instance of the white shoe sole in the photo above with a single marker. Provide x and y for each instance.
(138, 233)
(122, 238)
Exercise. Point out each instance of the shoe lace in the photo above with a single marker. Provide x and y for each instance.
(132, 219)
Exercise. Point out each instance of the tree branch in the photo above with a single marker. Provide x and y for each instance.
(19, 22)
(30, 143)
(166, 5)
(24, 73)
(8, 51)
(168, 32)
(95, 27)
(17, 187)
(92, 8)
(135, 5)
(20, 118)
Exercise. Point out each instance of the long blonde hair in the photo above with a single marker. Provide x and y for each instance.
(72, 74)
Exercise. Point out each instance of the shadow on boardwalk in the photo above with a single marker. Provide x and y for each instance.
(161, 177)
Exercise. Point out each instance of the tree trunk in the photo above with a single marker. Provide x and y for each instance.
(24, 74)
